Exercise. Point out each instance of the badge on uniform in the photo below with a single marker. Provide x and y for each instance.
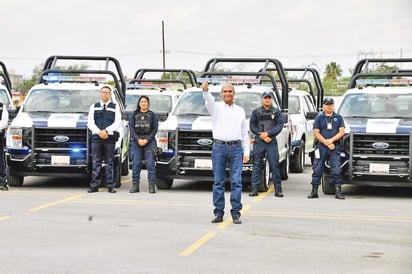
(142, 117)
(273, 116)
(329, 126)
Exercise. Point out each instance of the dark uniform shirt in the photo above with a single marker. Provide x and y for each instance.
(270, 120)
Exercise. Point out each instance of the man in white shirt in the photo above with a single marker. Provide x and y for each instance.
(231, 146)
(4, 119)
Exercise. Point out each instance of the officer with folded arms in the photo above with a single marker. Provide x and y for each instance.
(266, 122)
(104, 121)
(328, 129)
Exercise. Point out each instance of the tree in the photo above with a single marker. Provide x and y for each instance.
(332, 72)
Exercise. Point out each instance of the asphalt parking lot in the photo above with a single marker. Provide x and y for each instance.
(52, 225)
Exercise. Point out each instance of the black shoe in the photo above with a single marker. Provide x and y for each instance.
(4, 187)
(152, 188)
(254, 193)
(236, 220)
(93, 189)
(314, 192)
(278, 193)
(338, 194)
(111, 190)
(217, 219)
(135, 188)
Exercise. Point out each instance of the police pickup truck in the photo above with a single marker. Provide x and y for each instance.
(377, 110)
(185, 138)
(6, 91)
(49, 136)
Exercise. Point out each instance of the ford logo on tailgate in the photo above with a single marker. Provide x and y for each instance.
(204, 142)
(380, 145)
(61, 138)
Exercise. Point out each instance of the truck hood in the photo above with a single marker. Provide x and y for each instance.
(369, 125)
(60, 120)
(189, 122)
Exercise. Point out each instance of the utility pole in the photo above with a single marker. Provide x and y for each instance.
(163, 51)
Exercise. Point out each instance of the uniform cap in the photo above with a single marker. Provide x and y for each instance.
(328, 100)
(267, 93)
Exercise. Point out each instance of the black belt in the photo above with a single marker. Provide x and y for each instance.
(226, 142)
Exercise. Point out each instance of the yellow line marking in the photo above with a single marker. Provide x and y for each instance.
(208, 236)
(205, 238)
(331, 216)
(3, 218)
(74, 197)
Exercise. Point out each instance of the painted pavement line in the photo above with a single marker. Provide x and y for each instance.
(3, 218)
(68, 199)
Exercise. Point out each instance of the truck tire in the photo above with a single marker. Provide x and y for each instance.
(298, 164)
(125, 166)
(327, 186)
(15, 180)
(265, 180)
(163, 183)
(117, 173)
(284, 169)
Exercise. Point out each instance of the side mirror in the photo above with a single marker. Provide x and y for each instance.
(311, 115)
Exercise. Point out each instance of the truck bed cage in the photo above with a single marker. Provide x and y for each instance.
(362, 65)
(5, 75)
(118, 77)
(211, 64)
(190, 74)
(258, 74)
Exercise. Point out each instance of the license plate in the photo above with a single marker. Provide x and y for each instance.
(379, 168)
(60, 160)
(203, 163)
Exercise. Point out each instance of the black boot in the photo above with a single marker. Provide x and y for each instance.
(314, 193)
(152, 188)
(338, 192)
(254, 192)
(135, 188)
(278, 192)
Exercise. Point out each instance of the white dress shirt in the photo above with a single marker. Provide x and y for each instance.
(4, 118)
(228, 122)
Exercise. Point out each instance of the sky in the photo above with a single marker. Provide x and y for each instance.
(298, 33)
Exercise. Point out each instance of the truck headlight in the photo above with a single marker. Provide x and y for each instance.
(16, 137)
(163, 140)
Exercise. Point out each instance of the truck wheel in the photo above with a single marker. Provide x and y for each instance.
(298, 164)
(327, 186)
(284, 169)
(15, 180)
(163, 183)
(117, 173)
(125, 166)
(265, 181)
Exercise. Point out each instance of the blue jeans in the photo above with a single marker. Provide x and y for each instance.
(319, 165)
(102, 150)
(259, 151)
(139, 153)
(223, 155)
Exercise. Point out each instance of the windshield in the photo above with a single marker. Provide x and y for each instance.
(61, 101)
(158, 103)
(194, 104)
(377, 106)
(4, 98)
(294, 105)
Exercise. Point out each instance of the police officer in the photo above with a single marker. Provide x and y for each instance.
(4, 118)
(103, 121)
(328, 129)
(266, 122)
(143, 128)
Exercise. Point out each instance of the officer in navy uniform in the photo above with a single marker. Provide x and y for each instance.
(4, 119)
(104, 121)
(266, 122)
(143, 128)
(328, 129)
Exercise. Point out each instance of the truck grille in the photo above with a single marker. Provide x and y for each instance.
(195, 141)
(45, 138)
(381, 145)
